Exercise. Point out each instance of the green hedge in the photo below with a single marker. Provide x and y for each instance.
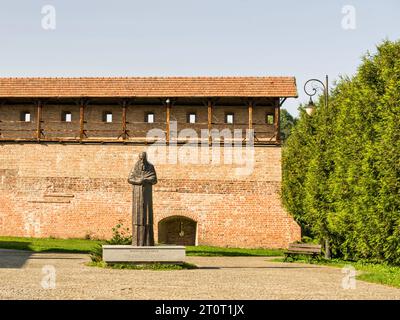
(341, 166)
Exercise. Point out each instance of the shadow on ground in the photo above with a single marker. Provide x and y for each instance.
(206, 253)
(261, 267)
(17, 258)
(14, 259)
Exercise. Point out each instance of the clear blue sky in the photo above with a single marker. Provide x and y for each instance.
(192, 37)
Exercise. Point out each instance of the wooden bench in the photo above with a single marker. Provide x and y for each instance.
(312, 250)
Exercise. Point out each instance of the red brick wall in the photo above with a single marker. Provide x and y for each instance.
(77, 190)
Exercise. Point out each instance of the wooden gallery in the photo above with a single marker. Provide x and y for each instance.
(67, 146)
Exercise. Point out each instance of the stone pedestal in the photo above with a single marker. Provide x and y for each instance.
(134, 254)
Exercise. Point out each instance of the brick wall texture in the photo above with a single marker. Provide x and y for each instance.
(80, 190)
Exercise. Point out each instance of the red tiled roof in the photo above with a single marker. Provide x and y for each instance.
(149, 87)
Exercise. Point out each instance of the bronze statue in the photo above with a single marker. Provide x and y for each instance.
(142, 177)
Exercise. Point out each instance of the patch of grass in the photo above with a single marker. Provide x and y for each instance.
(150, 266)
(208, 251)
(370, 272)
(381, 274)
(88, 246)
(49, 244)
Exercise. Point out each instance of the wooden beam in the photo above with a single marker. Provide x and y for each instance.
(209, 120)
(38, 120)
(124, 106)
(102, 141)
(277, 122)
(81, 119)
(250, 105)
(168, 115)
(2, 103)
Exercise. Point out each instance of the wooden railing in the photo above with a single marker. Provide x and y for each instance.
(126, 131)
(132, 132)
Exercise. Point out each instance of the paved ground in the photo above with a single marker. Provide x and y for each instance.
(21, 275)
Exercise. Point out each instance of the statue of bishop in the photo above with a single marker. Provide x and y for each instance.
(142, 177)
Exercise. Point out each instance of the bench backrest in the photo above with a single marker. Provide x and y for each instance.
(305, 247)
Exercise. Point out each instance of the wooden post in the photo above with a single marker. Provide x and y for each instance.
(81, 119)
(2, 103)
(209, 120)
(124, 105)
(168, 105)
(38, 120)
(250, 104)
(277, 121)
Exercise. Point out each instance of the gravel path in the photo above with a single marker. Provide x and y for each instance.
(21, 275)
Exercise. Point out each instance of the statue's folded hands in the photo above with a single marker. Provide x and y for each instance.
(135, 181)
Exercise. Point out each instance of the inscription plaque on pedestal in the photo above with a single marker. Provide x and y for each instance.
(138, 254)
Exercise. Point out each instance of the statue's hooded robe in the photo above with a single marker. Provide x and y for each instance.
(142, 177)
